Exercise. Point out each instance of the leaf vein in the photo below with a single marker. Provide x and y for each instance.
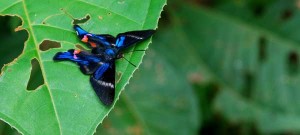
(41, 64)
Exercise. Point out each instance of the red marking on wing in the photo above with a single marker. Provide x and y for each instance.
(85, 39)
(93, 44)
(77, 52)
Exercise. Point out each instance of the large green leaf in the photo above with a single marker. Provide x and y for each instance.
(65, 103)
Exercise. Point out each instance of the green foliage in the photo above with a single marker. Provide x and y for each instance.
(251, 58)
(215, 67)
(58, 106)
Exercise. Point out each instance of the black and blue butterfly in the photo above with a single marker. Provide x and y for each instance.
(100, 62)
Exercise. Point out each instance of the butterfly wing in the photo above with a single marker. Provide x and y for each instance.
(79, 31)
(69, 55)
(88, 62)
(103, 39)
(103, 83)
(126, 39)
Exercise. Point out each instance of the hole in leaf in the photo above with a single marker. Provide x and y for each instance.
(286, 14)
(47, 44)
(36, 78)
(81, 20)
(262, 46)
(76, 21)
(248, 85)
(12, 43)
(293, 63)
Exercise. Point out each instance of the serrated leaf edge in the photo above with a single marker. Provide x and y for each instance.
(131, 76)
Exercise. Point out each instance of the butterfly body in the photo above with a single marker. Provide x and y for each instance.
(100, 62)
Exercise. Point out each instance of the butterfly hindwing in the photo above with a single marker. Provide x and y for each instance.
(102, 74)
(88, 69)
(124, 40)
(69, 55)
(103, 83)
(88, 62)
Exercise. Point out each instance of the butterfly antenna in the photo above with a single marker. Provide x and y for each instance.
(129, 62)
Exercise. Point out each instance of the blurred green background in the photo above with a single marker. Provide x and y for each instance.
(214, 67)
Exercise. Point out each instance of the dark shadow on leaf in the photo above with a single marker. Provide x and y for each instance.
(293, 63)
(258, 11)
(287, 14)
(248, 85)
(262, 46)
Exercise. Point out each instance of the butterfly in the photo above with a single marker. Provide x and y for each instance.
(99, 63)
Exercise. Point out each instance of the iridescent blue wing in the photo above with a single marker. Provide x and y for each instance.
(88, 62)
(95, 40)
(69, 55)
(104, 39)
(79, 31)
(124, 40)
(103, 83)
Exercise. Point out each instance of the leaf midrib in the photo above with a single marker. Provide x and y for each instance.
(41, 64)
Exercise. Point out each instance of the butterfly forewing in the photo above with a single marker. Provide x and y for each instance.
(127, 39)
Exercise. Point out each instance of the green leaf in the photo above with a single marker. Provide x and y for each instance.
(255, 69)
(66, 103)
(158, 100)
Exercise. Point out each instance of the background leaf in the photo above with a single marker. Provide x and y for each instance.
(58, 106)
(255, 68)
